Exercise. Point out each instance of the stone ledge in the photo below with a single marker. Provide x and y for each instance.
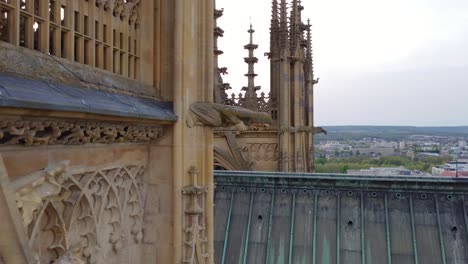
(18, 92)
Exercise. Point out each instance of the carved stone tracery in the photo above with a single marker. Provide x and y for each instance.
(100, 213)
(261, 151)
(196, 242)
(64, 132)
(127, 9)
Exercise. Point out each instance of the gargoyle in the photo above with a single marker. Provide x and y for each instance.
(320, 130)
(219, 115)
(314, 130)
(223, 70)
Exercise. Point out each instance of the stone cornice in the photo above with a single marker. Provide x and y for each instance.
(72, 132)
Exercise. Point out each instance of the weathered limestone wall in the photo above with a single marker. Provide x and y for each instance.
(148, 244)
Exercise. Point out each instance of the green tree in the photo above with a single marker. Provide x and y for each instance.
(345, 168)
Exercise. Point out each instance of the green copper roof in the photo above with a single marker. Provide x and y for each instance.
(332, 218)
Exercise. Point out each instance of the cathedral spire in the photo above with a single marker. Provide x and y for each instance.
(296, 34)
(251, 89)
(274, 28)
(275, 15)
(310, 70)
(284, 31)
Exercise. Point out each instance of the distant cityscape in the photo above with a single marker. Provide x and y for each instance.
(380, 154)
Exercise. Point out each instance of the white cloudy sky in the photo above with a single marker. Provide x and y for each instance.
(380, 62)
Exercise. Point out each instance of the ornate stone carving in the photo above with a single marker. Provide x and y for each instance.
(127, 9)
(219, 115)
(119, 9)
(195, 228)
(261, 151)
(90, 217)
(33, 190)
(64, 132)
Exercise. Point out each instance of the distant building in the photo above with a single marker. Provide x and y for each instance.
(462, 143)
(394, 171)
(452, 169)
(402, 145)
(428, 154)
(460, 174)
(376, 151)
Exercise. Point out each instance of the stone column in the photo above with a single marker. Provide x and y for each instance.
(193, 147)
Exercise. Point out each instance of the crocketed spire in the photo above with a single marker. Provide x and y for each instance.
(251, 89)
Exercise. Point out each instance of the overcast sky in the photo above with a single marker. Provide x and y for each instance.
(380, 62)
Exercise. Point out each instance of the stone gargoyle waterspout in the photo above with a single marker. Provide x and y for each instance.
(219, 115)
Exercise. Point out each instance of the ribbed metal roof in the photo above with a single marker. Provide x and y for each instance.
(325, 218)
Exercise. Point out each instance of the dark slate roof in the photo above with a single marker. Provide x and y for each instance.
(318, 218)
(35, 94)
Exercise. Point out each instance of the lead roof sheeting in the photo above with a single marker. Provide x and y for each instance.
(34, 94)
(339, 218)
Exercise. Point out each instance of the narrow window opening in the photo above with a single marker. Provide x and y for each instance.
(77, 49)
(121, 66)
(130, 66)
(129, 43)
(23, 35)
(52, 32)
(4, 25)
(105, 58)
(97, 56)
(86, 25)
(63, 42)
(136, 72)
(116, 63)
(37, 8)
(135, 47)
(52, 10)
(104, 34)
(77, 21)
(96, 30)
(86, 54)
(63, 15)
(23, 5)
(37, 35)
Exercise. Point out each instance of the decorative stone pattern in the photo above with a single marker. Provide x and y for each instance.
(261, 104)
(195, 226)
(261, 151)
(98, 215)
(65, 132)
